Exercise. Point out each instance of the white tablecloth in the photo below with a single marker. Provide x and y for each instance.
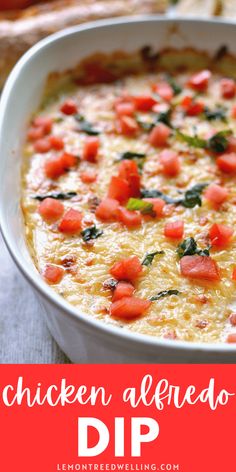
(24, 337)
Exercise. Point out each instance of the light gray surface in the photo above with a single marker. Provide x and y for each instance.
(24, 337)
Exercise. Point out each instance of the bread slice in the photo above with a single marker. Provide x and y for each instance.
(19, 30)
(229, 9)
(200, 8)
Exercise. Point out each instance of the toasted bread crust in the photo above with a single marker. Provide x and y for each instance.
(21, 30)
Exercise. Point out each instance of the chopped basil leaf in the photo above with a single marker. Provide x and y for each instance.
(193, 141)
(56, 196)
(192, 196)
(147, 261)
(190, 200)
(219, 142)
(132, 155)
(138, 204)
(174, 85)
(146, 193)
(162, 117)
(91, 233)
(189, 248)
(85, 126)
(164, 293)
(217, 114)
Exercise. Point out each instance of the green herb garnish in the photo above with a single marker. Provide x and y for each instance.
(189, 248)
(217, 114)
(86, 126)
(164, 293)
(218, 142)
(162, 117)
(91, 233)
(56, 196)
(193, 141)
(146, 193)
(147, 261)
(146, 208)
(174, 85)
(192, 196)
(132, 155)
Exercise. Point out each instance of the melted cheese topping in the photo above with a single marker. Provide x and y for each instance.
(201, 312)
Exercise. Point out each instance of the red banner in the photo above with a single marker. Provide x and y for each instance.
(117, 418)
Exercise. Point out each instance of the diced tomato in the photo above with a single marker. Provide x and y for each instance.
(69, 107)
(51, 209)
(129, 307)
(125, 109)
(107, 209)
(35, 133)
(42, 145)
(232, 319)
(44, 122)
(231, 144)
(231, 338)
(159, 135)
(127, 125)
(128, 170)
(127, 269)
(56, 142)
(119, 189)
(234, 274)
(199, 267)
(200, 80)
(71, 222)
(216, 194)
(174, 229)
(192, 107)
(134, 185)
(88, 177)
(53, 274)
(220, 235)
(54, 167)
(186, 102)
(123, 289)
(144, 102)
(228, 88)
(129, 218)
(227, 163)
(170, 162)
(195, 108)
(158, 205)
(233, 112)
(68, 160)
(164, 90)
(90, 149)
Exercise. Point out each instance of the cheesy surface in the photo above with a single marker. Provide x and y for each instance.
(202, 310)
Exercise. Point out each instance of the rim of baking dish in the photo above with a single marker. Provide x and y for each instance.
(145, 341)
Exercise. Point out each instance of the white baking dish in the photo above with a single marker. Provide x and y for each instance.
(83, 338)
